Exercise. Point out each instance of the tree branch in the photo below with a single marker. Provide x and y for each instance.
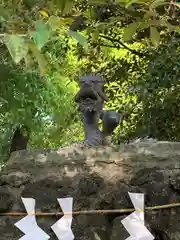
(106, 45)
(123, 45)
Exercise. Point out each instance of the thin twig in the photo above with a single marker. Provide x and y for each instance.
(106, 45)
(89, 212)
(19, 35)
(113, 40)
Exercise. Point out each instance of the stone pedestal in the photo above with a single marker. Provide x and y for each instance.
(98, 178)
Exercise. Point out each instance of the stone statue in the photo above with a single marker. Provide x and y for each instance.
(90, 100)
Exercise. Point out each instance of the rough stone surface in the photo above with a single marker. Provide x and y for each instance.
(96, 178)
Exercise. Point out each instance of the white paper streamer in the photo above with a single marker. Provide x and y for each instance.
(134, 223)
(62, 228)
(28, 224)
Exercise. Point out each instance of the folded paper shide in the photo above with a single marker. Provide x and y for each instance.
(134, 223)
(62, 228)
(28, 224)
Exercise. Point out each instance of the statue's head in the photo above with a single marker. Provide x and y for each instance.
(91, 95)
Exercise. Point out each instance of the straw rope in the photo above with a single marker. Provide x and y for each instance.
(89, 212)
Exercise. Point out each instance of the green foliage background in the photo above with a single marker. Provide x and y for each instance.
(45, 46)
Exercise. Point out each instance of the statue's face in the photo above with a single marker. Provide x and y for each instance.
(91, 95)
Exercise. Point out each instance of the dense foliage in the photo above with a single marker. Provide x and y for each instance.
(47, 45)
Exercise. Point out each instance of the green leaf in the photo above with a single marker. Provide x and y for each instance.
(129, 31)
(95, 36)
(79, 38)
(143, 25)
(158, 3)
(148, 14)
(41, 35)
(44, 13)
(90, 29)
(61, 4)
(4, 14)
(157, 23)
(96, 1)
(40, 59)
(137, 2)
(65, 5)
(54, 23)
(155, 36)
(16, 46)
(57, 23)
(177, 29)
(163, 23)
(68, 6)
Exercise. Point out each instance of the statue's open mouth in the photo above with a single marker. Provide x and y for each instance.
(86, 94)
(87, 100)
